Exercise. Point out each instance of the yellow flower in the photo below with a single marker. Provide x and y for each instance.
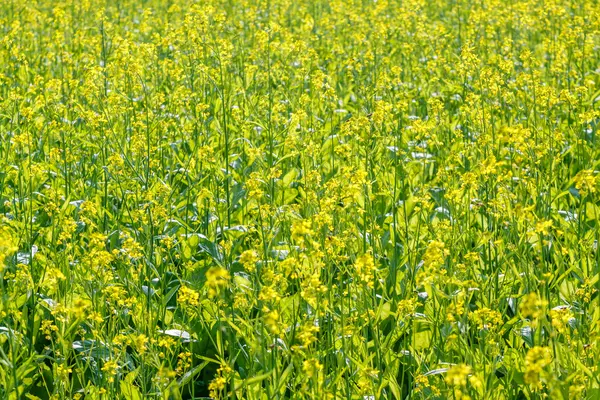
(457, 375)
(536, 360)
(532, 306)
(184, 362)
(80, 307)
(269, 293)
(140, 342)
(422, 383)
(7, 245)
(110, 367)
(561, 318)
(433, 261)
(406, 308)
(300, 230)
(219, 382)
(217, 279)
(62, 371)
(586, 181)
(311, 367)
(307, 334)
(365, 269)
(132, 248)
(486, 319)
(248, 259)
(272, 321)
(188, 297)
(543, 227)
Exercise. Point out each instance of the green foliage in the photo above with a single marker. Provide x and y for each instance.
(299, 199)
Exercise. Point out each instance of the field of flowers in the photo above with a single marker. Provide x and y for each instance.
(279, 199)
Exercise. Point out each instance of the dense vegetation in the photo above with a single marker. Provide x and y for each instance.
(362, 199)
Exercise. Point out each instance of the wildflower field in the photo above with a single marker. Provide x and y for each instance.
(309, 199)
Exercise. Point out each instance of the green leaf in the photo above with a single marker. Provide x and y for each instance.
(191, 373)
(422, 340)
(186, 251)
(253, 380)
(289, 177)
(128, 388)
(592, 211)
